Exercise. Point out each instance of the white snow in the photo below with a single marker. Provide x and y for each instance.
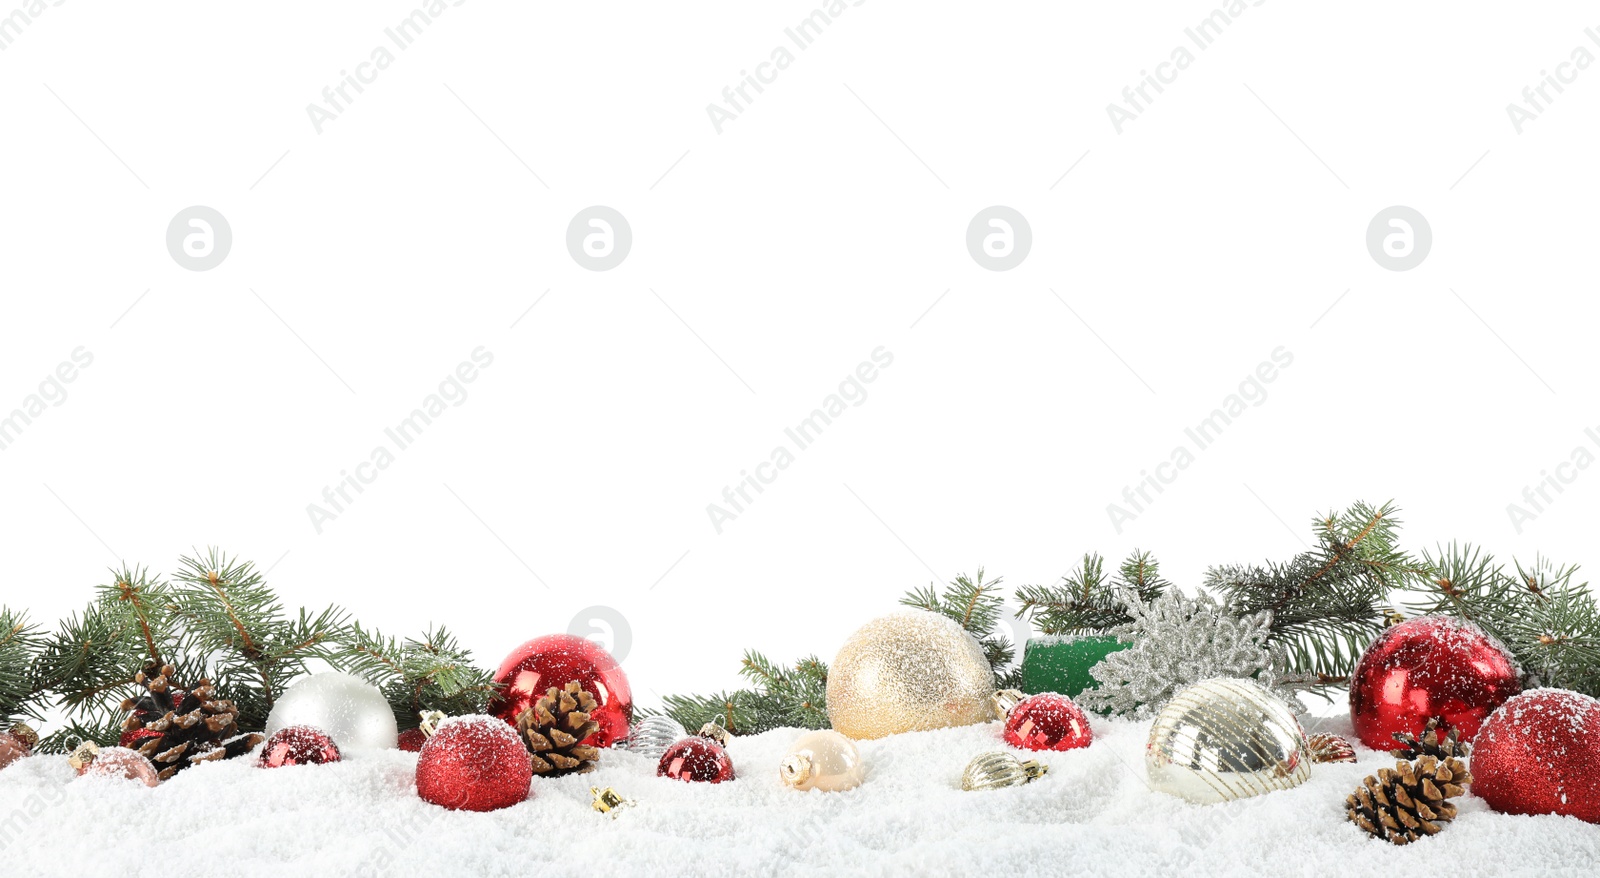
(1091, 815)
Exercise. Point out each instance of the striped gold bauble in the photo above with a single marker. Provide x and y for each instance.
(1225, 739)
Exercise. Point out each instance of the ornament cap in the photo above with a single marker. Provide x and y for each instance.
(84, 755)
(25, 734)
(795, 769)
(1003, 700)
(430, 721)
(1033, 769)
(715, 732)
(609, 801)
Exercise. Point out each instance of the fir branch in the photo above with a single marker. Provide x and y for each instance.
(234, 618)
(102, 725)
(20, 643)
(417, 675)
(793, 696)
(1325, 604)
(1088, 602)
(1549, 623)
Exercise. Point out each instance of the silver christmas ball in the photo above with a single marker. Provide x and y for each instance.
(1226, 739)
(650, 737)
(347, 709)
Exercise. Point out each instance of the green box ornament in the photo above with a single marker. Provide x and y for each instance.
(1061, 663)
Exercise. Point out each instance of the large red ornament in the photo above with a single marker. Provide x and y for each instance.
(696, 759)
(298, 745)
(1427, 667)
(1540, 754)
(1047, 722)
(474, 763)
(556, 660)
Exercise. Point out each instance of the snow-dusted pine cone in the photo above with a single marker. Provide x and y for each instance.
(554, 730)
(1409, 801)
(175, 727)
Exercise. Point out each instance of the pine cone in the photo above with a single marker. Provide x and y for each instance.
(1330, 748)
(554, 730)
(1431, 743)
(175, 728)
(1409, 801)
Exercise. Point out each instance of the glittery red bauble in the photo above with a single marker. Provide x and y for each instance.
(474, 763)
(298, 745)
(1432, 666)
(1540, 754)
(696, 758)
(411, 740)
(1047, 722)
(556, 660)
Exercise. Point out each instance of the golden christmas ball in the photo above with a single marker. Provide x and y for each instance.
(907, 672)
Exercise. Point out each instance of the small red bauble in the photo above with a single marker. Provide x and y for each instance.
(1427, 667)
(1540, 754)
(117, 762)
(696, 759)
(411, 740)
(1047, 721)
(556, 660)
(298, 745)
(474, 763)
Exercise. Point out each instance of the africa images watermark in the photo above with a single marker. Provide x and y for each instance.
(12, 26)
(737, 98)
(1536, 99)
(1252, 392)
(52, 392)
(1136, 99)
(452, 392)
(1537, 497)
(852, 392)
(14, 827)
(337, 98)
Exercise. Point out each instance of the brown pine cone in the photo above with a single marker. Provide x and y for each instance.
(175, 728)
(1431, 743)
(555, 728)
(1330, 748)
(1409, 801)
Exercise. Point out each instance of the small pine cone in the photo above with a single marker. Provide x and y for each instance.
(175, 728)
(555, 728)
(1409, 801)
(1330, 748)
(1431, 743)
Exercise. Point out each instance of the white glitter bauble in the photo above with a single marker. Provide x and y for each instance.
(347, 709)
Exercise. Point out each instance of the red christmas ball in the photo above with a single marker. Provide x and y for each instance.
(1427, 667)
(1047, 722)
(556, 660)
(474, 763)
(411, 740)
(696, 759)
(1540, 754)
(298, 745)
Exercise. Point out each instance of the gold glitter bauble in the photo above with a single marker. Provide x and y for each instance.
(1226, 739)
(906, 672)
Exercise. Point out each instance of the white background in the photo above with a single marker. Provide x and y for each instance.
(1174, 257)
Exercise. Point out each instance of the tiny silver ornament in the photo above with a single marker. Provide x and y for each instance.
(1224, 739)
(992, 771)
(650, 737)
